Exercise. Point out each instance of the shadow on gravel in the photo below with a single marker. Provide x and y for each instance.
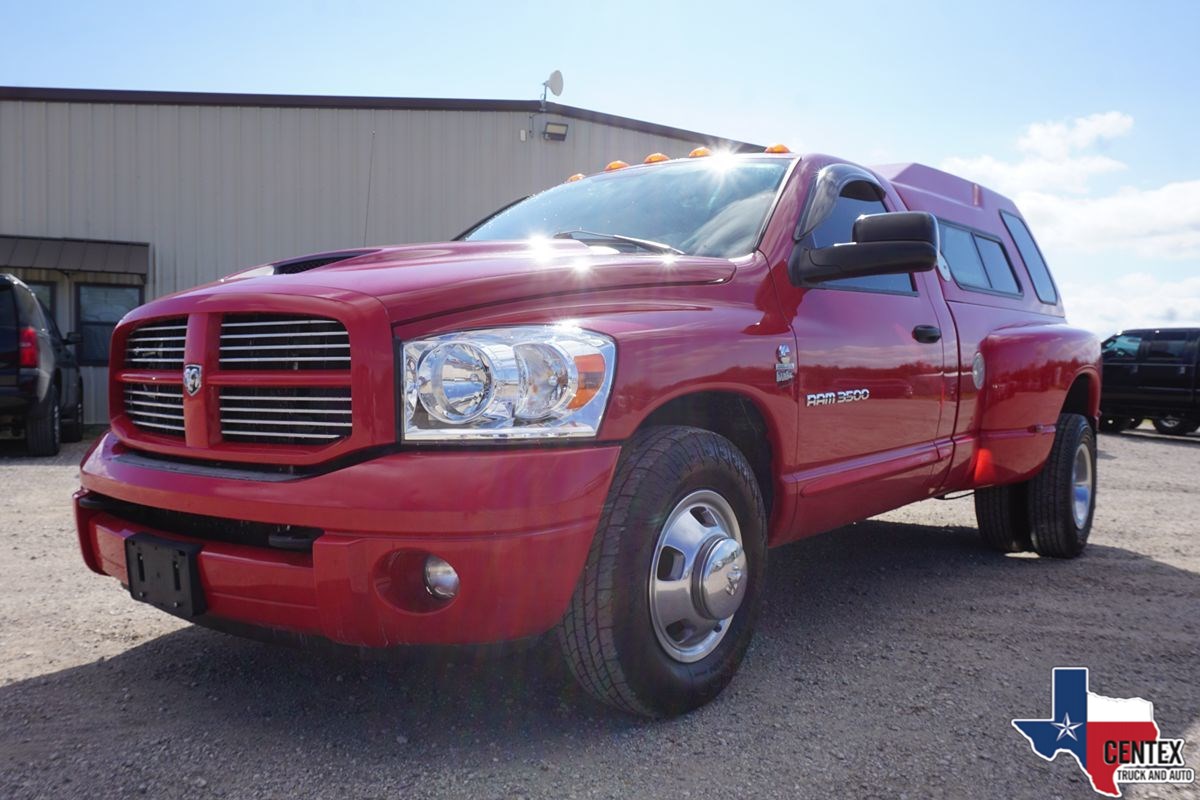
(887, 635)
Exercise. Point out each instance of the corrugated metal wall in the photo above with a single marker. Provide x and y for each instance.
(217, 188)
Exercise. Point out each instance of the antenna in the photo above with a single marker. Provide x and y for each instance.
(370, 174)
(553, 84)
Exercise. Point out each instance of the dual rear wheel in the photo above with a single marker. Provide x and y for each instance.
(1051, 513)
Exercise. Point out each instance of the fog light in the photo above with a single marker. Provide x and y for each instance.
(440, 578)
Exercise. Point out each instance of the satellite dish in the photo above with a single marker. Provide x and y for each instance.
(554, 83)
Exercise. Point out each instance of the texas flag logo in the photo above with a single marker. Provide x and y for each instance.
(1115, 740)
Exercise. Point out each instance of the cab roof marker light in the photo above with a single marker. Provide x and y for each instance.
(700, 152)
(777, 148)
(578, 176)
(614, 165)
(654, 158)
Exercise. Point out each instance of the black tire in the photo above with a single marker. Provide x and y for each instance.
(43, 430)
(72, 429)
(1117, 424)
(1176, 426)
(1003, 516)
(1054, 529)
(607, 635)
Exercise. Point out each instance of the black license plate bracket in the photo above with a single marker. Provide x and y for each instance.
(165, 573)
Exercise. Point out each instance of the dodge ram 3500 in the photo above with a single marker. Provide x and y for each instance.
(593, 413)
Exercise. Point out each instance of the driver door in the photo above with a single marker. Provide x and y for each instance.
(870, 365)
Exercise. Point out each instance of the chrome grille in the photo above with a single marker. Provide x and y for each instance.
(279, 415)
(158, 408)
(274, 342)
(157, 345)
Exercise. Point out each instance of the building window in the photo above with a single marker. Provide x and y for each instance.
(44, 291)
(99, 307)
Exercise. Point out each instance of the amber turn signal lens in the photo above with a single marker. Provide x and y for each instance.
(654, 158)
(700, 152)
(591, 379)
(577, 176)
(777, 148)
(615, 165)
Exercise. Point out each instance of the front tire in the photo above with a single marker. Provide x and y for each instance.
(671, 591)
(1062, 497)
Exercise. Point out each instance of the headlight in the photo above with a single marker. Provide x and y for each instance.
(507, 383)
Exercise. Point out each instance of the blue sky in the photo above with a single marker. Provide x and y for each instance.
(1109, 174)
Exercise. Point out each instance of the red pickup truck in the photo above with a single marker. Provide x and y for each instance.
(593, 413)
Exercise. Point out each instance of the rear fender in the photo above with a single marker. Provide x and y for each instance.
(1029, 373)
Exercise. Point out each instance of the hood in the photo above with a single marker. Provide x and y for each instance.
(419, 281)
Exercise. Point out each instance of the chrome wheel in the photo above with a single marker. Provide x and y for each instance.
(1081, 485)
(697, 576)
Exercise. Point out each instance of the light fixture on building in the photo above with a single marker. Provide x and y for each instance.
(555, 132)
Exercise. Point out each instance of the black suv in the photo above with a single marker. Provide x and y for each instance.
(41, 393)
(1151, 373)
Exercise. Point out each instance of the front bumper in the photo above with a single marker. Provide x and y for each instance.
(515, 523)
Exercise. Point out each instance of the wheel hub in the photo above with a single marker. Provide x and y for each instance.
(698, 576)
(719, 583)
(1081, 485)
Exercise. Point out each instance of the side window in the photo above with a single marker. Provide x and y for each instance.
(44, 292)
(838, 228)
(100, 309)
(977, 262)
(1039, 273)
(1122, 347)
(965, 264)
(1167, 347)
(995, 263)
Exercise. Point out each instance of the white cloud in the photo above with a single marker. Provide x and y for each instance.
(1070, 174)
(1162, 223)
(1057, 140)
(1050, 184)
(1137, 300)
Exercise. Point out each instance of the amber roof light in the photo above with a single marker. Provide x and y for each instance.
(618, 164)
(654, 158)
(777, 148)
(700, 152)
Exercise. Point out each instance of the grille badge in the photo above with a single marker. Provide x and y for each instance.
(192, 380)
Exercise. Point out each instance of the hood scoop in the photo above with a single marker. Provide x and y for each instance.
(305, 263)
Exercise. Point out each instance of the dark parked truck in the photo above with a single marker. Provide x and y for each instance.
(593, 414)
(41, 393)
(1151, 374)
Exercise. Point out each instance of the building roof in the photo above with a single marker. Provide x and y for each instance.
(125, 97)
(75, 254)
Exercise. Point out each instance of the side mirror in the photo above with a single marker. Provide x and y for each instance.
(73, 338)
(894, 243)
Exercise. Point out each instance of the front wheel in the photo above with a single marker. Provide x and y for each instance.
(1176, 426)
(1062, 497)
(671, 591)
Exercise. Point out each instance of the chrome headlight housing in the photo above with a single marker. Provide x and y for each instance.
(498, 384)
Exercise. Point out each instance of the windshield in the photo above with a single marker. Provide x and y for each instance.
(705, 207)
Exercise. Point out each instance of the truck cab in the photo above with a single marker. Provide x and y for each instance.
(593, 414)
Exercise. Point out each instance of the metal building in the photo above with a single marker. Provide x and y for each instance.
(111, 198)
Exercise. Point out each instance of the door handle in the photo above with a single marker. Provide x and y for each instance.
(927, 334)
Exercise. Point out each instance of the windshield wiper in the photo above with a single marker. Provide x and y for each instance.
(645, 244)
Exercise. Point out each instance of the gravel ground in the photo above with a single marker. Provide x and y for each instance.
(890, 659)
